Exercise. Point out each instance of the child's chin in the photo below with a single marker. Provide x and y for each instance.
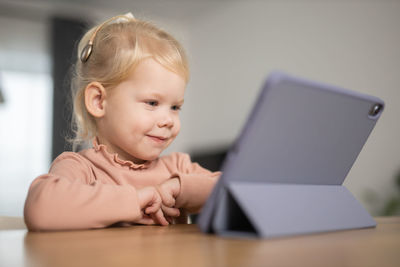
(151, 157)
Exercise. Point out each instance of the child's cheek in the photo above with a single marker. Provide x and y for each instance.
(177, 129)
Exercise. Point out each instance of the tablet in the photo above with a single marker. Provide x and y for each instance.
(299, 132)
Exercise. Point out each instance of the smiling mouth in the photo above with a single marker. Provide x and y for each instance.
(158, 139)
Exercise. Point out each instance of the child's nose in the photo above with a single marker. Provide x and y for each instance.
(166, 120)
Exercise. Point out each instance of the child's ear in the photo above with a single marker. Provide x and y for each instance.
(95, 99)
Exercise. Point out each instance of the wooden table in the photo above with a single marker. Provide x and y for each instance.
(184, 245)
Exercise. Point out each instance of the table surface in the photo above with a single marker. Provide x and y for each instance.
(185, 245)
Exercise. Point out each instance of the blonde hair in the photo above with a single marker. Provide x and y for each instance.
(118, 47)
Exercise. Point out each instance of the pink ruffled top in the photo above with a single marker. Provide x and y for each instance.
(94, 189)
(113, 157)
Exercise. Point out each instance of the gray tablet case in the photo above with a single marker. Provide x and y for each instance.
(285, 172)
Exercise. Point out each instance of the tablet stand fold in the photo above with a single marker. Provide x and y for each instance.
(274, 210)
(284, 174)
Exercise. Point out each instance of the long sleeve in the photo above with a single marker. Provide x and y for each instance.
(69, 197)
(196, 183)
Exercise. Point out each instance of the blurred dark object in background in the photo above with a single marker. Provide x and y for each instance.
(392, 205)
(65, 34)
(2, 100)
(212, 161)
(384, 205)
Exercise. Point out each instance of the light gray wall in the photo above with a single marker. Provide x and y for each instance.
(233, 45)
(353, 44)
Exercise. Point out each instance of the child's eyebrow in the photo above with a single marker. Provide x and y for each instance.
(154, 95)
(161, 96)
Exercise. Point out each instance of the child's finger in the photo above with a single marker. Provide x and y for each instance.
(169, 219)
(167, 198)
(151, 209)
(146, 220)
(154, 206)
(172, 212)
(159, 217)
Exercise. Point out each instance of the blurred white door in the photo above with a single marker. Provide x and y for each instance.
(25, 135)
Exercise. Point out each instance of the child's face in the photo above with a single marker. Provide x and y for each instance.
(142, 113)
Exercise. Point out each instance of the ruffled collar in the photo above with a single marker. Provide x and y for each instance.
(114, 158)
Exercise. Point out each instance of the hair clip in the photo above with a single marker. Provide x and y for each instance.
(87, 50)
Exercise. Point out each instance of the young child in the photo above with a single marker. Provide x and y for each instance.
(128, 90)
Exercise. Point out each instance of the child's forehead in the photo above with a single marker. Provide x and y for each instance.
(151, 79)
(152, 72)
(159, 91)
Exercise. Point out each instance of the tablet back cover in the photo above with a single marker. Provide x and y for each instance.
(302, 132)
(299, 132)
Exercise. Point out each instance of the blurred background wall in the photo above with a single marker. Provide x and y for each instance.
(232, 46)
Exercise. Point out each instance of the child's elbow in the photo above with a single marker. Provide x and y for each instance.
(34, 225)
(38, 216)
(34, 219)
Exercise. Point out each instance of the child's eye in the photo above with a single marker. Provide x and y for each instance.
(176, 108)
(152, 103)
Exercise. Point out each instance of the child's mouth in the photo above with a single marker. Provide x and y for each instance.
(158, 139)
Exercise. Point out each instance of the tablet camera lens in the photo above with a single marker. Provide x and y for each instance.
(375, 110)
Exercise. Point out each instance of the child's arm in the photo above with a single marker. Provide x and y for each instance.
(69, 197)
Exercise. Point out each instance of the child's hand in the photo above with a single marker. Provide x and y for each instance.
(168, 191)
(150, 204)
